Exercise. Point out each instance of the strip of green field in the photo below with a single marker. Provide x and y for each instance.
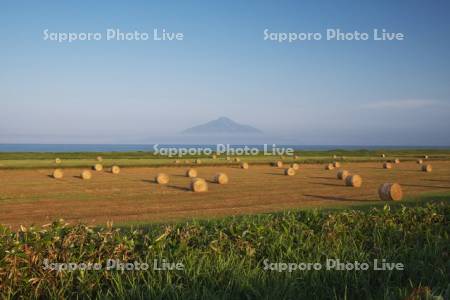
(148, 159)
(248, 257)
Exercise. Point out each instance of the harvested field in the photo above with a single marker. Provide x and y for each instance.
(34, 197)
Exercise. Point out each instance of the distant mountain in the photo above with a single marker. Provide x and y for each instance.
(222, 126)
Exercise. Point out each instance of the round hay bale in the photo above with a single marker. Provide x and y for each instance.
(427, 168)
(237, 159)
(390, 192)
(425, 156)
(199, 185)
(191, 172)
(198, 161)
(419, 161)
(383, 155)
(86, 175)
(289, 172)
(296, 157)
(336, 164)
(295, 166)
(353, 180)
(279, 164)
(244, 165)
(97, 167)
(342, 174)
(115, 170)
(99, 158)
(58, 174)
(162, 178)
(57, 161)
(334, 156)
(396, 161)
(329, 167)
(387, 165)
(221, 178)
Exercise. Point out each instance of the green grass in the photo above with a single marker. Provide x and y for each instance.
(26, 160)
(224, 258)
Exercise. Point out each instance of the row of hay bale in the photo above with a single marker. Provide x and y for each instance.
(336, 157)
(388, 164)
(237, 159)
(200, 185)
(333, 165)
(198, 161)
(59, 160)
(214, 156)
(386, 191)
(397, 161)
(356, 180)
(423, 167)
(197, 184)
(86, 174)
(227, 158)
(294, 157)
(423, 156)
(350, 180)
(353, 180)
(245, 165)
(290, 170)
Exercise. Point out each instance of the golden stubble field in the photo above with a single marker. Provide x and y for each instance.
(34, 197)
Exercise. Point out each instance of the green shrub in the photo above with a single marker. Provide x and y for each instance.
(225, 258)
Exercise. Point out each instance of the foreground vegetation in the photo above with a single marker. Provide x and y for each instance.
(226, 258)
(14, 160)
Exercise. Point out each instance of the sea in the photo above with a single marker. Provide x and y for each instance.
(150, 147)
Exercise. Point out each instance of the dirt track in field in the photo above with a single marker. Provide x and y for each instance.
(34, 197)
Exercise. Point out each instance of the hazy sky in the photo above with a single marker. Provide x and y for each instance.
(309, 92)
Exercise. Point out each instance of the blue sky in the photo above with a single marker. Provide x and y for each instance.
(310, 92)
